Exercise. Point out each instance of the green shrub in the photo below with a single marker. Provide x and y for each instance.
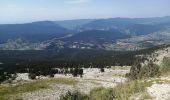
(32, 76)
(102, 70)
(7, 91)
(101, 94)
(151, 70)
(74, 96)
(166, 66)
(122, 91)
(138, 72)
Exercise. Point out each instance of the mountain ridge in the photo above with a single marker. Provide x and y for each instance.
(87, 33)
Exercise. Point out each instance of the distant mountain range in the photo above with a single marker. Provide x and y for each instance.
(36, 31)
(110, 34)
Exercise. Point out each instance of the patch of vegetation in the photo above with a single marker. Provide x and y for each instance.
(102, 70)
(44, 62)
(141, 96)
(120, 67)
(74, 96)
(121, 92)
(166, 66)
(101, 94)
(145, 96)
(139, 72)
(8, 91)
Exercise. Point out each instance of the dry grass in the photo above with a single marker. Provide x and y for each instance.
(121, 92)
(165, 69)
(121, 67)
(145, 96)
(7, 91)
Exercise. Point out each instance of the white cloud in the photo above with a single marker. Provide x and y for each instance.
(76, 1)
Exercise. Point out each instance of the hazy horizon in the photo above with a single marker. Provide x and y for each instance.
(23, 11)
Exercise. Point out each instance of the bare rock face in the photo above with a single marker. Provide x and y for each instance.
(48, 94)
(22, 77)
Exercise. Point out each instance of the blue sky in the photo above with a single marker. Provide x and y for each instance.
(21, 11)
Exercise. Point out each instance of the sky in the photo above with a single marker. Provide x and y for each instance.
(22, 11)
